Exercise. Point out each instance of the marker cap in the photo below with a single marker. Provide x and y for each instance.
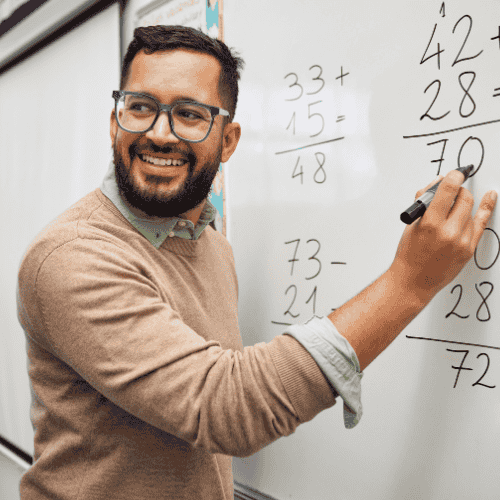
(414, 212)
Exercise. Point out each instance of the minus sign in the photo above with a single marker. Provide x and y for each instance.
(343, 263)
(281, 324)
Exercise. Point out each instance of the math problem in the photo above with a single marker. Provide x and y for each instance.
(454, 48)
(312, 117)
(307, 262)
(485, 288)
(458, 94)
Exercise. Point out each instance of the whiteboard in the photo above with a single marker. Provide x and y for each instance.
(54, 138)
(347, 109)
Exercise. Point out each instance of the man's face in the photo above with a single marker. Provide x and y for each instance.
(167, 191)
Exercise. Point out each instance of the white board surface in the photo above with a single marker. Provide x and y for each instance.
(346, 82)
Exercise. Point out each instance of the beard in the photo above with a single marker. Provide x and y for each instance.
(153, 200)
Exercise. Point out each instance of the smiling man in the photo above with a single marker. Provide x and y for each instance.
(141, 387)
(160, 173)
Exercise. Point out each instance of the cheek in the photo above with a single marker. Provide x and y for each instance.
(126, 147)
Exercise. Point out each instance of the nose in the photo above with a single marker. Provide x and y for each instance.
(161, 132)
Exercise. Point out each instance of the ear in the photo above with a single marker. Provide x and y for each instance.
(113, 127)
(230, 138)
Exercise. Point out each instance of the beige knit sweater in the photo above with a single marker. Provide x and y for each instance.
(141, 387)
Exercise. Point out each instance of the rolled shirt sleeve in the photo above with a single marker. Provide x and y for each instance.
(337, 360)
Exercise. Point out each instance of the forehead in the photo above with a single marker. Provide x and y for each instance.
(171, 74)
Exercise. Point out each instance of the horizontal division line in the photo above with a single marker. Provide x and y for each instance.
(310, 145)
(450, 130)
(454, 342)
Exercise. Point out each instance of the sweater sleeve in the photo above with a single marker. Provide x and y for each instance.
(106, 320)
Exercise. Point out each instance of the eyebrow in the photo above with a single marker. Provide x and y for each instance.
(180, 99)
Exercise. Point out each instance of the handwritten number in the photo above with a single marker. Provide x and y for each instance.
(467, 95)
(300, 173)
(294, 260)
(487, 367)
(495, 259)
(441, 159)
(316, 114)
(292, 121)
(313, 297)
(427, 115)
(458, 301)
(436, 54)
(320, 173)
(316, 259)
(483, 303)
(458, 60)
(476, 169)
(288, 311)
(317, 78)
(295, 84)
(461, 367)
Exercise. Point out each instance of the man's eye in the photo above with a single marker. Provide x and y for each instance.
(141, 107)
(185, 113)
(192, 114)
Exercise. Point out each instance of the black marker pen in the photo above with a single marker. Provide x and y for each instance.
(421, 204)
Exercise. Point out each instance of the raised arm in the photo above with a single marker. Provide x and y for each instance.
(431, 253)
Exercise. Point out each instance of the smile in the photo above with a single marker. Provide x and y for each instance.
(161, 162)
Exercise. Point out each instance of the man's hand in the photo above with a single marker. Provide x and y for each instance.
(434, 249)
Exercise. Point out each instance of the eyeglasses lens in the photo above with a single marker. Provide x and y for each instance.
(137, 114)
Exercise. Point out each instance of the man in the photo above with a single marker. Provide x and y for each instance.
(141, 386)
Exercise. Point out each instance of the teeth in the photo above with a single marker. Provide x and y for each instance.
(162, 163)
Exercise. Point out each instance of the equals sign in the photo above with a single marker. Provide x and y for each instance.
(497, 92)
(341, 118)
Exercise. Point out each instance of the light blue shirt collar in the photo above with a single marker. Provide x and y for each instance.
(156, 232)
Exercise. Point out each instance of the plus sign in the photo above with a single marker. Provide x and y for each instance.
(497, 37)
(342, 74)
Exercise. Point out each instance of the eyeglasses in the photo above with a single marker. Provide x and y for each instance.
(189, 121)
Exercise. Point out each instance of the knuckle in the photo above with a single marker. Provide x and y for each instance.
(429, 227)
(455, 177)
(448, 186)
(468, 197)
(449, 237)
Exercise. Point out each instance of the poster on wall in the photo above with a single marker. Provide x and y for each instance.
(199, 14)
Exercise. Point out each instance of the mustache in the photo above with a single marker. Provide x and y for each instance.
(135, 149)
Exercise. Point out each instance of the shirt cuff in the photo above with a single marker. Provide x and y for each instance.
(337, 360)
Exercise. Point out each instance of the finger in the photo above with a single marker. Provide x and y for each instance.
(422, 191)
(446, 195)
(460, 214)
(483, 215)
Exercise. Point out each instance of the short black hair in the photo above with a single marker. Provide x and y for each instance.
(152, 39)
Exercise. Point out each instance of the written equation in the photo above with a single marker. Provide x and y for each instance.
(307, 262)
(310, 117)
(461, 92)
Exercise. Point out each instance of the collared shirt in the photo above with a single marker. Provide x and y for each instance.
(319, 336)
(156, 232)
